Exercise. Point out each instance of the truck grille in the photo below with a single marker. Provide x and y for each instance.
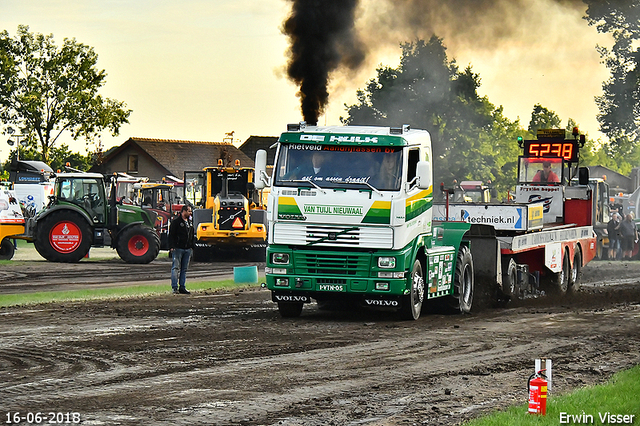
(333, 236)
(331, 264)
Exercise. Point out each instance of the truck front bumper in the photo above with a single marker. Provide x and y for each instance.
(208, 234)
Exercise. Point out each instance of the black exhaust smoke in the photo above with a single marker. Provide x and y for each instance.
(322, 39)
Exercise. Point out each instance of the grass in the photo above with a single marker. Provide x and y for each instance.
(112, 292)
(619, 396)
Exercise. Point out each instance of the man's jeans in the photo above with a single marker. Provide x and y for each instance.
(179, 267)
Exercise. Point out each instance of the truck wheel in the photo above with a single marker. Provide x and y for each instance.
(138, 244)
(63, 236)
(509, 280)
(6, 249)
(463, 285)
(576, 271)
(412, 303)
(558, 283)
(290, 310)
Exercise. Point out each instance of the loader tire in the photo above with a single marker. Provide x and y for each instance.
(461, 302)
(63, 236)
(138, 244)
(6, 249)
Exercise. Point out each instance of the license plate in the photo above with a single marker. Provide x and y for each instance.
(332, 287)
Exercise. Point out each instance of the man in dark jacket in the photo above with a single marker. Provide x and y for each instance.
(181, 247)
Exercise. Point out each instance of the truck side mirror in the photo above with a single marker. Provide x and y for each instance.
(260, 178)
(423, 173)
(583, 176)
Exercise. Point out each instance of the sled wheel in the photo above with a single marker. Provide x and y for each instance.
(290, 310)
(576, 271)
(138, 244)
(63, 236)
(6, 249)
(463, 284)
(412, 303)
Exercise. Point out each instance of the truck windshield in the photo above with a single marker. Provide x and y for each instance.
(330, 166)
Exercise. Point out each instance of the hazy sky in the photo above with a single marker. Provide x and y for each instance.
(197, 69)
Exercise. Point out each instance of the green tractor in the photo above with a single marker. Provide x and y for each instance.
(80, 216)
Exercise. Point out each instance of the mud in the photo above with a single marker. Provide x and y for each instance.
(228, 358)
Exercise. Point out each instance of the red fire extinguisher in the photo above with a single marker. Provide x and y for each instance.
(537, 386)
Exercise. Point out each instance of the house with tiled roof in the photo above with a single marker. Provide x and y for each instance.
(158, 158)
(254, 143)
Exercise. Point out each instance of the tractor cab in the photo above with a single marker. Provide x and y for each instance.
(85, 190)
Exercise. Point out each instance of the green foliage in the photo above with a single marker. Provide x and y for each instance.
(59, 156)
(472, 139)
(543, 118)
(618, 396)
(47, 90)
(619, 106)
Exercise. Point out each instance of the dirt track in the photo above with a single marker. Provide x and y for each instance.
(228, 358)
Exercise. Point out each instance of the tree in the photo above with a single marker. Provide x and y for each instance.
(59, 156)
(543, 118)
(471, 138)
(46, 90)
(619, 106)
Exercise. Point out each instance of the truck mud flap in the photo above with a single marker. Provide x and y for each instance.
(289, 297)
(381, 302)
(487, 265)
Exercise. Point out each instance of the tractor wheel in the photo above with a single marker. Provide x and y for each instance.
(63, 236)
(576, 272)
(412, 303)
(6, 249)
(138, 244)
(290, 310)
(463, 284)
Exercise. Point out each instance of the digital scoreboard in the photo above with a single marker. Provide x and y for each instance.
(565, 149)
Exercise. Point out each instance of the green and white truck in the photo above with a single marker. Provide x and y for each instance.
(351, 219)
(357, 225)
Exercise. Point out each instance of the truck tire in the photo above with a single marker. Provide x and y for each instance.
(412, 303)
(463, 283)
(138, 244)
(576, 272)
(509, 280)
(558, 283)
(6, 249)
(63, 236)
(290, 310)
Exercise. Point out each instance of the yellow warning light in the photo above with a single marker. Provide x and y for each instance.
(219, 161)
(237, 163)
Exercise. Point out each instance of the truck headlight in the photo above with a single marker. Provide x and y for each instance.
(282, 282)
(386, 262)
(280, 258)
(391, 274)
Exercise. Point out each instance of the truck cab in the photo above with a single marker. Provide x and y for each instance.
(350, 220)
(472, 191)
